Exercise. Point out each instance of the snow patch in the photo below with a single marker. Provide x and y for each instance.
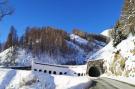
(106, 32)
(78, 39)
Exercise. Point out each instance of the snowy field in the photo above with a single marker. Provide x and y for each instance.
(20, 79)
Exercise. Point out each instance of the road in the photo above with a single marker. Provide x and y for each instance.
(105, 83)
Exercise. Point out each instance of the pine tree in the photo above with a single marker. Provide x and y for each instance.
(12, 39)
(118, 36)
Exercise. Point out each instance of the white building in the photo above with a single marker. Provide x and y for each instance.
(79, 70)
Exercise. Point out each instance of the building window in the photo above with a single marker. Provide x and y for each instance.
(78, 74)
(60, 73)
(65, 73)
(44, 71)
(50, 72)
(82, 74)
(40, 70)
(35, 69)
(54, 72)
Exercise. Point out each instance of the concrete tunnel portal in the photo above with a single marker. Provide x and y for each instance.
(94, 72)
(95, 68)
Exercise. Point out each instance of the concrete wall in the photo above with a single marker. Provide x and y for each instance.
(96, 63)
(60, 69)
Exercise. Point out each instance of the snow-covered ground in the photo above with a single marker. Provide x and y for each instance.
(20, 79)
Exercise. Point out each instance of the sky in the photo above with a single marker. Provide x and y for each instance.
(87, 15)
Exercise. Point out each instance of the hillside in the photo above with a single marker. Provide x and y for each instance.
(120, 60)
(73, 50)
(119, 54)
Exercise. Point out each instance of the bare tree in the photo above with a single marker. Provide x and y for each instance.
(5, 9)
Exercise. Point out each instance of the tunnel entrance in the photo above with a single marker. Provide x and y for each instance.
(94, 72)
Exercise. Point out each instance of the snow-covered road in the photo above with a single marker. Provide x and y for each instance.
(105, 83)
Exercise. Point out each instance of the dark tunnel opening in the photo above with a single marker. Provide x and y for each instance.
(94, 72)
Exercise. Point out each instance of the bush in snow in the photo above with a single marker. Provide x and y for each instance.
(27, 82)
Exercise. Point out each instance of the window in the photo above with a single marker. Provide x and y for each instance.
(50, 72)
(60, 73)
(44, 71)
(82, 74)
(54, 72)
(40, 70)
(65, 73)
(35, 69)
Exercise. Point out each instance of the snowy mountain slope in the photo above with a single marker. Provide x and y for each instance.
(21, 79)
(78, 39)
(80, 46)
(119, 60)
(101, 54)
(95, 45)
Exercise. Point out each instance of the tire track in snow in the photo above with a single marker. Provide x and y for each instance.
(7, 79)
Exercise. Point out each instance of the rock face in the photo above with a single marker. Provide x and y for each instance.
(127, 19)
(126, 23)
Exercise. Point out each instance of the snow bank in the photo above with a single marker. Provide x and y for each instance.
(20, 79)
(63, 82)
(11, 78)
